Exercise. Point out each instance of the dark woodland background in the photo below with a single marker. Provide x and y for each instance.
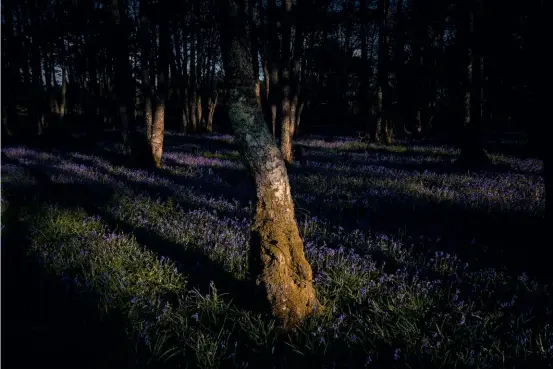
(381, 67)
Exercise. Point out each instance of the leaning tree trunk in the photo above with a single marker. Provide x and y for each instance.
(277, 261)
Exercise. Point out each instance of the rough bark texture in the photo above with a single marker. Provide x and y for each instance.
(158, 129)
(277, 260)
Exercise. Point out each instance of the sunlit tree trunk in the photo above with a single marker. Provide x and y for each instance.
(158, 124)
(277, 261)
(146, 83)
(211, 111)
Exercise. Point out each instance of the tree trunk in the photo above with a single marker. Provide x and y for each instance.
(266, 78)
(48, 66)
(399, 62)
(364, 72)
(192, 92)
(199, 108)
(277, 261)
(63, 92)
(124, 83)
(285, 80)
(38, 89)
(211, 112)
(295, 104)
(158, 124)
(297, 120)
(273, 56)
(182, 79)
(10, 71)
(146, 83)
(472, 153)
(381, 120)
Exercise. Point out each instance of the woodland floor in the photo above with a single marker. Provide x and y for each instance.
(421, 264)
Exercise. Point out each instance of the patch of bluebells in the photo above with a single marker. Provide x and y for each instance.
(378, 289)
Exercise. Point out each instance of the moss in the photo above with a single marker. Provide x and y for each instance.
(280, 268)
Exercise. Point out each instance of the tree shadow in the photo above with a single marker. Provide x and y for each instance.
(58, 329)
(197, 266)
(44, 325)
(455, 225)
(513, 241)
(442, 166)
(238, 189)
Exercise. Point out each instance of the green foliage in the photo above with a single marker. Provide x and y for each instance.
(387, 302)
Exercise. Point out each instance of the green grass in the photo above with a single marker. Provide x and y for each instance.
(388, 304)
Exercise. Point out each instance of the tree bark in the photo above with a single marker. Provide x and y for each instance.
(158, 124)
(277, 261)
(211, 111)
(274, 70)
(285, 80)
(124, 83)
(382, 89)
(146, 83)
(364, 72)
(63, 91)
(472, 153)
(296, 105)
(36, 68)
(10, 70)
(192, 91)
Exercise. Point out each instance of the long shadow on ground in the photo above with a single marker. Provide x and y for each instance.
(500, 236)
(43, 325)
(93, 198)
(54, 328)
